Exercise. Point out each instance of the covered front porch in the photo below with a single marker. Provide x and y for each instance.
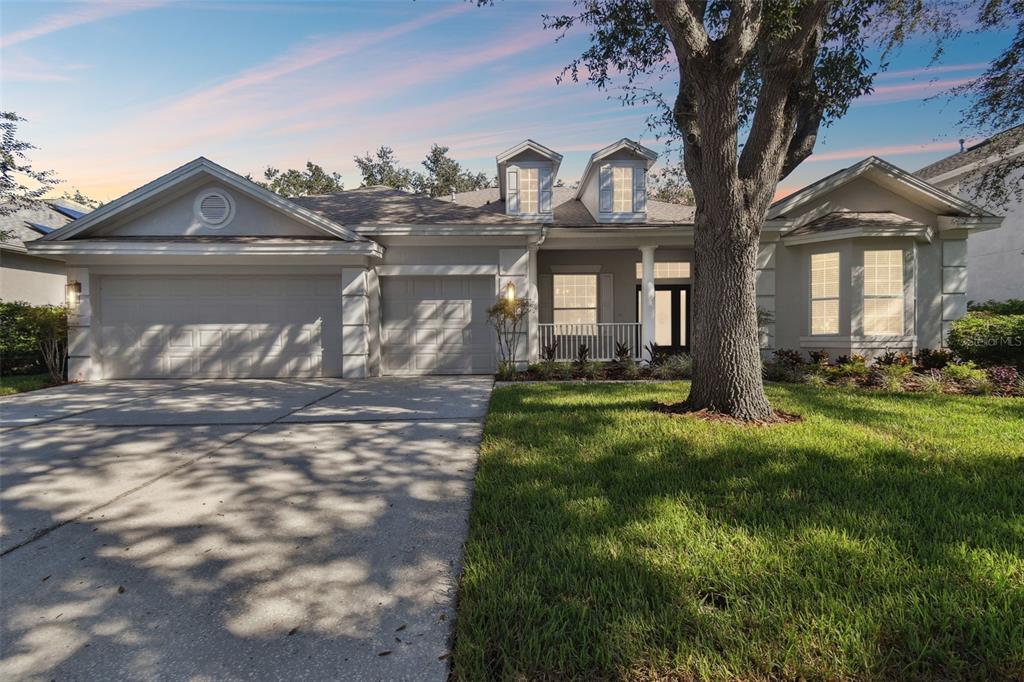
(607, 299)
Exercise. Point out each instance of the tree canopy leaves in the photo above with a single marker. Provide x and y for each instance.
(299, 183)
(444, 175)
(20, 184)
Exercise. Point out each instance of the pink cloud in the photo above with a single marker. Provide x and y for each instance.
(312, 54)
(891, 150)
(928, 71)
(21, 67)
(910, 91)
(83, 14)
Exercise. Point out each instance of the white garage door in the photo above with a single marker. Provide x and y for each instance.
(437, 325)
(220, 326)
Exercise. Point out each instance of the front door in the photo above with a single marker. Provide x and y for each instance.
(671, 316)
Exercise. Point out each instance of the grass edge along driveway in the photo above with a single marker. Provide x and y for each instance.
(882, 537)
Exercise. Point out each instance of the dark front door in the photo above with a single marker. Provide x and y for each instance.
(671, 316)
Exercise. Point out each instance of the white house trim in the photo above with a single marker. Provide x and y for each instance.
(171, 248)
(436, 270)
(923, 233)
(648, 156)
(190, 170)
(823, 187)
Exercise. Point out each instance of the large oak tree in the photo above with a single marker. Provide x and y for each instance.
(752, 82)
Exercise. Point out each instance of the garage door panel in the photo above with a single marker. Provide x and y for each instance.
(436, 325)
(221, 326)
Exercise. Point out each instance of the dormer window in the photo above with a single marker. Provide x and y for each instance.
(614, 185)
(526, 177)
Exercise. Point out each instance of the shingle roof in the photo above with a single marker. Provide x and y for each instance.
(841, 220)
(379, 205)
(1007, 139)
(45, 214)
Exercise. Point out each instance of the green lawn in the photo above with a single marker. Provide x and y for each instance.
(24, 382)
(881, 538)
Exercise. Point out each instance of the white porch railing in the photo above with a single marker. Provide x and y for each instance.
(601, 338)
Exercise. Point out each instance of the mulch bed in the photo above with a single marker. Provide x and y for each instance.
(682, 410)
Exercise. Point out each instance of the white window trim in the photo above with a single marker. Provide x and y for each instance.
(597, 296)
(522, 165)
(838, 298)
(619, 170)
(614, 216)
(901, 297)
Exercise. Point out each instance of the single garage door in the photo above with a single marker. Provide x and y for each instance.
(226, 326)
(437, 325)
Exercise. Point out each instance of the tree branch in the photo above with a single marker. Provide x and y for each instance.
(786, 103)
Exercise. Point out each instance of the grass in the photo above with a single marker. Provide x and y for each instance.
(21, 383)
(881, 538)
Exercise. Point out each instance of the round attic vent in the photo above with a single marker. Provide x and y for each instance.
(214, 208)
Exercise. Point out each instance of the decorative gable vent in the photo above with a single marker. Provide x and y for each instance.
(214, 209)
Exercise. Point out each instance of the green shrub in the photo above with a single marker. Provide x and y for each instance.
(33, 339)
(969, 377)
(931, 382)
(678, 366)
(589, 369)
(784, 371)
(927, 358)
(1013, 306)
(988, 338)
(19, 353)
(848, 370)
(890, 377)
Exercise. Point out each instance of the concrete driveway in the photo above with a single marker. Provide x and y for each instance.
(301, 529)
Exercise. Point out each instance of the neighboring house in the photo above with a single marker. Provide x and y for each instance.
(996, 257)
(28, 277)
(203, 273)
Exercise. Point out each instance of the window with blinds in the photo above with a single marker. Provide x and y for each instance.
(825, 293)
(883, 292)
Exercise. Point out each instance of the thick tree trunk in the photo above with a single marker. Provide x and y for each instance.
(725, 343)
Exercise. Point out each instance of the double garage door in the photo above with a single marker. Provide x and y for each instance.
(252, 327)
(246, 327)
(437, 325)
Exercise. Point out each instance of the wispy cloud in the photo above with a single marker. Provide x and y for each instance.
(886, 151)
(928, 71)
(908, 92)
(81, 14)
(318, 51)
(21, 67)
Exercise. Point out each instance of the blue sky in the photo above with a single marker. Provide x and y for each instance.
(117, 93)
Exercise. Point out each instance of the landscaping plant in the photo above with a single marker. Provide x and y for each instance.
(508, 317)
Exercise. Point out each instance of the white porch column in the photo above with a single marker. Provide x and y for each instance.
(533, 332)
(647, 289)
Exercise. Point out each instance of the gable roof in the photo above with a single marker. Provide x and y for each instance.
(649, 156)
(845, 220)
(526, 146)
(998, 146)
(191, 170)
(886, 175)
(367, 207)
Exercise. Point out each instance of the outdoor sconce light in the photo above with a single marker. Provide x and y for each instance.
(72, 293)
(510, 291)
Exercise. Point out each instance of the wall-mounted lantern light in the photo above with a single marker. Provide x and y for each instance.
(73, 293)
(510, 291)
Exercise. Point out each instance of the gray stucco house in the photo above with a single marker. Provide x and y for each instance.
(995, 258)
(27, 277)
(203, 273)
